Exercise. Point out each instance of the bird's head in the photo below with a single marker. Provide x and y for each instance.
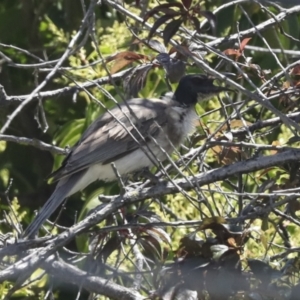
(194, 88)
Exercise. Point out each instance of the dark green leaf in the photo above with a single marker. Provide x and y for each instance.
(157, 24)
(196, 23)
(170, 30)
(211, 18)
(162, 8)
(148, 215)
(152, 248)
(187, 3)
(110, 246)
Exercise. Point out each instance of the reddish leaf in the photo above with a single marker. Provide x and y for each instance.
(295, 70)
(127, 55)
(122, 59)
(120, 64)
(162, 8)
(244, 42)
(186, 3)
(232, 52)
(286, 85)
(170, 30)
(232, 243)
(158, 23)
(238, 52)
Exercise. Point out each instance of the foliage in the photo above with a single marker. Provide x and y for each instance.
(224, 222)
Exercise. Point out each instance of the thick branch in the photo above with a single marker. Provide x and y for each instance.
(94, 284)
(164, 188)
(34, 260)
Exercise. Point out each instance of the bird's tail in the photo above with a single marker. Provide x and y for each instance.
(64, 188)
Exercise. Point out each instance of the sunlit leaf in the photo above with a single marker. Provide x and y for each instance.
(232, 52)
(295, 70)
(122, 59)
(158, 234)
(157, 46)
(244, 42)
(119, 64)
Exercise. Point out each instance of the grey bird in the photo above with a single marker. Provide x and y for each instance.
(133, 136)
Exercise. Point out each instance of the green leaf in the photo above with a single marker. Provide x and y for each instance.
(171, 29)
(187, 3)
(158, 23)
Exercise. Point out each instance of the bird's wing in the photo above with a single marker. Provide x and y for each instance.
(112, 136)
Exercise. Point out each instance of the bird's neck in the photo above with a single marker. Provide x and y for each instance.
(185, 98)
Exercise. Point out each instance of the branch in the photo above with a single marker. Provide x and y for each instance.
(260, 27)
(236, 132)
(33, 142)
(66, 54)
(92, 283)
(5, 100)
(34, 260)
(258, 96)
(166, 188)
(217, 42)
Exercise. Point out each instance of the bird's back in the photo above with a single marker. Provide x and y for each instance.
(117, 133)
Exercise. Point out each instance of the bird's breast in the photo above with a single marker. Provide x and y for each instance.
(181, 123)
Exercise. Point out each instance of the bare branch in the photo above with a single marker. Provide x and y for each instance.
(33, 142)
(92, 283)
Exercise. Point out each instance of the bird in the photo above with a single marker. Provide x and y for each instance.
(133, 135)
